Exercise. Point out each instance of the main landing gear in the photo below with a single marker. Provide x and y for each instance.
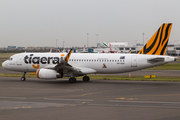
(23, 77)
(86, 78)
(73, 79)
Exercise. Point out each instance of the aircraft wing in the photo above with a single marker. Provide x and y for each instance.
(67, 68)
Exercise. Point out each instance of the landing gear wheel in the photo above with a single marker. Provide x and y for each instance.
(72, 80)
(23, 79)
(86, 78)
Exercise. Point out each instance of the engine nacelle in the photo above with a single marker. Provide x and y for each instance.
(48, 74)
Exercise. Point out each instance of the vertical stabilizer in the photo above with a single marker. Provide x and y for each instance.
(158, 43)
(105, 44)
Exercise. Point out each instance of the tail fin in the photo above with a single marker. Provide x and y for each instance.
(84, 49)
(110, 47)
(105, 44)
(158, 43)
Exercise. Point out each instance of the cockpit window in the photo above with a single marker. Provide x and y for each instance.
(10, 59)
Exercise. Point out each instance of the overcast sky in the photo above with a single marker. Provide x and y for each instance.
(41, 22)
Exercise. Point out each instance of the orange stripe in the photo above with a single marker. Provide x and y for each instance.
(36, 66)
(37, 73)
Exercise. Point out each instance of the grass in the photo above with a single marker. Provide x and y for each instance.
(108, 77)
(6, 55)
(16, 75)
(170, 66)
(133, 78)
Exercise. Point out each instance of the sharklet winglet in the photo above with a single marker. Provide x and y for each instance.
(68, 56)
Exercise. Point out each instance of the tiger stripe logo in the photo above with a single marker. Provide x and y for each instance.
(158, 43)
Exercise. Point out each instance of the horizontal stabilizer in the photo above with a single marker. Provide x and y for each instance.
(155, 60)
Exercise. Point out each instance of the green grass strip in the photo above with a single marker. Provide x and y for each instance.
(133, 78)
(170, 66)
(16, 75)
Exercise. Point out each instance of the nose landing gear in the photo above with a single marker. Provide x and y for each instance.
(23, 78)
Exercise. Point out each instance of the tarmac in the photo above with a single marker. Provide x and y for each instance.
(94, 100)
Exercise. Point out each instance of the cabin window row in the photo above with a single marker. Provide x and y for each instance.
(96, 60)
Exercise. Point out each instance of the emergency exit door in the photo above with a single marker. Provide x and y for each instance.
(134, 61)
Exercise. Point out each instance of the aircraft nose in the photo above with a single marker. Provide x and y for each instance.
(4, 64)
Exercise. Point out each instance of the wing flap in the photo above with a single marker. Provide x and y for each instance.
(84, 70)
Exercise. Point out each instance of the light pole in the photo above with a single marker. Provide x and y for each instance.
(146, 40)
(87, 39)
(143, 38)
(97, 39)
(56, 44)
(177, 42)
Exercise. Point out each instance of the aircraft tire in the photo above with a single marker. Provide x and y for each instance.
(72, 80)
(86, 78)
(23, 79)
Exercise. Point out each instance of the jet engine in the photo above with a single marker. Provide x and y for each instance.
(48, 74)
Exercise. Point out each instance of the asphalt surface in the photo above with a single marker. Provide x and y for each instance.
(95, 100)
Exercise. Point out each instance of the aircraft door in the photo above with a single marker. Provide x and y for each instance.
(134, 61)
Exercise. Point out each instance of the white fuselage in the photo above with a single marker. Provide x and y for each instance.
(100, 62)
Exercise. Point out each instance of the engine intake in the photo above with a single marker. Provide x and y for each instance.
(48, 74)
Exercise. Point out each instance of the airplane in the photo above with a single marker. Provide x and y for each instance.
(59, 65)
(110, 50)
(115, 44)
